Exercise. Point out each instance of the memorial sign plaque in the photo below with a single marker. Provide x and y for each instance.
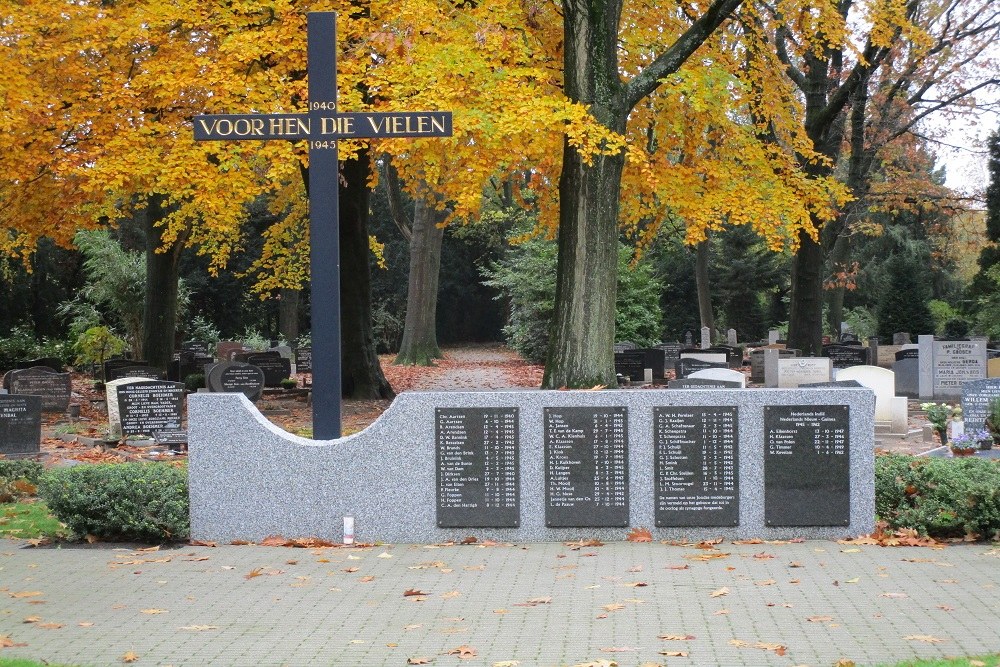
(701, 383)
(54, 388)
(20, 425)
(478, 479)
(197, 346)
(147, 407)
(696, 466)
(807, 465)
(670, 350)
(586, 466)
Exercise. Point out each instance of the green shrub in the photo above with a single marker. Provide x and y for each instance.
(20, 344)
(147, 502)
(939, 497)
(289, 383)
(194, 382)
(26, 470)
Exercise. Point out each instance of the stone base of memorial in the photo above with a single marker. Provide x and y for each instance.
(527, 466)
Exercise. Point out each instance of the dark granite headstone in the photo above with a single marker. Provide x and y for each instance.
(187, 363)
(202, 347)
(807, 465)
(696, 479)
(147, 407)
(586, 467)
(901, 338)
(846, 356)
(670, 350)
(624, 346)
(233, 376)
(684, 367)
(906, 374)
(275, 367)
(702, 383)
(912, 353)
(303, 360)
(54, 388)
(976, 397)
(836, 384)
(48, 362)
(226, 348)
(992, 354)
(849, 338)
(136, 371)
(630, 364)
(478, 480)
(20, 425)
(113, 364)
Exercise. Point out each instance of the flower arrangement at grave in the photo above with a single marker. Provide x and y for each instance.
(993, 421)
(966, 444)
(939, 414)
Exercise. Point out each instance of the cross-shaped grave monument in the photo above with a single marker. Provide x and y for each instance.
(322, 126)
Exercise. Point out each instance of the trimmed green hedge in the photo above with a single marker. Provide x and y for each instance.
(939, 497)
(11, 470)
(147, 502)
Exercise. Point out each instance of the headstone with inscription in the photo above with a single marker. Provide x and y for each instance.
(303, 360)
(586, 466)
(112, 365)
(630, 364)
(275, 367)
(137, 371)
(149, 406)
(202, 347)
(731, 337)
(807, 466)
(976, 397)
(671, 351)
(684, 366)
(48, 362)
(728, 375)
(952, 362)
(846, 356)
(801, 370)
(55, 389)
(706, 338)
(757, 360)
(114, 413)
(696, 460)
(478, 478)
(234, 376)
(20, 425)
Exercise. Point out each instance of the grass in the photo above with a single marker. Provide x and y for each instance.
(29, 520)
(23, 662)
(981, 661)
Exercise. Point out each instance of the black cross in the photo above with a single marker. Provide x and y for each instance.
(322, 126)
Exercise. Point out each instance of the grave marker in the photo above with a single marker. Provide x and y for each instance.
(802, 370)
(976, 397)
(701, 383)
(322, 127)
(303, 360)
(54, 388)
(150, 405)
(234, 376)
(20, 425)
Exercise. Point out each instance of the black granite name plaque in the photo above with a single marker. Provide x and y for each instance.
(586, 467)
(303, 360)
(478, 476)
(20, 425)
(696, 466)
(807, 476)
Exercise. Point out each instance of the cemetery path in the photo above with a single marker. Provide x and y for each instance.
(808, 603)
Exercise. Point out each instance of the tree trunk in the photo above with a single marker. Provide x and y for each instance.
(159, 318)
(839, 258)
(362, 374)
(419, 346)
(805, 316)
(703, 286)
(288, 314)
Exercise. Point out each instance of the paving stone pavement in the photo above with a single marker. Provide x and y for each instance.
(539, 604)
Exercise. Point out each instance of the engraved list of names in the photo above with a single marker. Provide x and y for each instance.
(478, 480)
(586, 466)
(697, 479)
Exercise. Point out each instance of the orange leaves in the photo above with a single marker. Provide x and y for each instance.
(639, 535)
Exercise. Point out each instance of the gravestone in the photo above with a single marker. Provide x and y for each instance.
(946, 364)
(773, 336)
(48, 362)
(701, 383)
(625, 346)
(845, 356)
(176, 439)
(586, 467)
(136, 371)
(912, 352)
(671, 351)
(303, 360)
(734, 355)
(807, 480)
(802, 370)
(688, 339)
(731, 337)
(20, 425)
(696, 466)
(630, 364)
(202, 347)
(901, 338)
(111, 365)
(687, 365)
(907, 370)
(227, 348)
(722, 375)
(706, 338)
(478, 481)
(114, 414)
(234, 376)
(717, 357)
(275, 367)
(590, 461)
(187, 363)
(848, 337)
(55, 389)
(976, 397)
(757, 360)
(148, 406)
(890, 410)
